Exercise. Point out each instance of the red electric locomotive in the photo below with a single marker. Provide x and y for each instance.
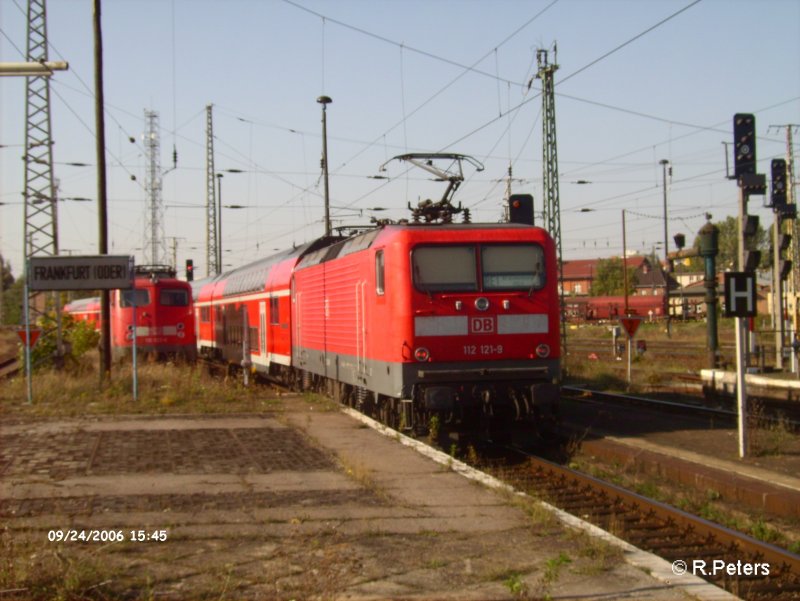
(403, 321)
(160, 305)
(413, 320)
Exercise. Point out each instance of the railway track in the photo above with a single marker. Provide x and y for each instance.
(731, 560)
(780, 414)
(736, 562)
(9, 367)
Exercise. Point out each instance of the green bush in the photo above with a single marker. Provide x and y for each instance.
(79, 337)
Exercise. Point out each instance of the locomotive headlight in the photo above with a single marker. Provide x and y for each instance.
(543, 351)
(422, 354)
(481, 303)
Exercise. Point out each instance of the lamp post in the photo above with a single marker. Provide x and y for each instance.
(325, 101)
(219, 223)
(664, 163)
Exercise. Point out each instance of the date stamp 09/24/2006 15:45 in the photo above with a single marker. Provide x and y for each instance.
(107, 536)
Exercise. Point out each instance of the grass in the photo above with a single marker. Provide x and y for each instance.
(768, 437)
(48, 571)
(9, 342)
(709, 505)
(162, 388)
(648, 372)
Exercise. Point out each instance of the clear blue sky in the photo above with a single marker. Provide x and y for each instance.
(397, 74)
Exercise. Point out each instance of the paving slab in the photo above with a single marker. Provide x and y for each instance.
(305, 502)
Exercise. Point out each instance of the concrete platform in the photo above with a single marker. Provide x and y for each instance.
(784, 386)
(698, 452)
(304, 503)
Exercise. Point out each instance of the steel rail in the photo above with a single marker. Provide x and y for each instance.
(686, 534)
(579, 394)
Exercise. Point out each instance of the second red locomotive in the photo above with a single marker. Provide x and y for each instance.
(163, 315)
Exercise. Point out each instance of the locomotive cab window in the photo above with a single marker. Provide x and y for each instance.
(512, 267)
(380, 280)
(445, 268)
(173, 297)
(136, 297)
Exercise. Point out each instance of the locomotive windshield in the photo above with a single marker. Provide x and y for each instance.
(456, 268)
(135, 297)
(173, 297)
(512, 267)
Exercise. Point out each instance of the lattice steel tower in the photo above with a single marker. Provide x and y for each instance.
(552, 207)
(212, 263)
(155, 247)
(41, 236)
(41, 214)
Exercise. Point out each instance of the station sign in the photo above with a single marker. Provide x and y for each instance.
(740, 294)
(93, 272)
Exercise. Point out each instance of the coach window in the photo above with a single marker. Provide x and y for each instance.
(445, 268)
(173, 297)
(274, 311)
(512, 267)
(379, 274)
(135, 297)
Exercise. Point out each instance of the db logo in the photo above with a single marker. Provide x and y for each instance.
(481, 325)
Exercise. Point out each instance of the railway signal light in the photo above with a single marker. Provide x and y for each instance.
(744, 144)
(784, 264)
(189, 270)
(752, 257)
(520, 209)
(787, 212)
(750, 227)
(778, 198)
(784, 241)
(785, 268)
(753, 183)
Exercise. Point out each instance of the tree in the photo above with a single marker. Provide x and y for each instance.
(12, 303)
(729, 246)
(7, 278)
(10, 296)
(609, 280)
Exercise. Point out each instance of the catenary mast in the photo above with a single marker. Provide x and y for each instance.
(212, 264)
(40, 230)
(155, 246)
(552, 208)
